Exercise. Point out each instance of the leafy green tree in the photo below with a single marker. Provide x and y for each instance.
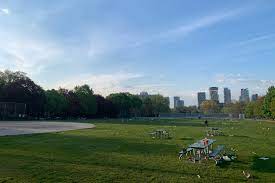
(258, 110)
(268, 103)
(86, 99)
(249, 110)
(209, 107)
(255, 109)
(136, 104)
(234, 109)
(122, 101)
(187, 109)
(272, 108)
(147, 107)
(17, 87)
(105, 108)
(56, 104)
(160, 104)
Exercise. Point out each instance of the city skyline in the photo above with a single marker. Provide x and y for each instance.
(127, 46)
(244, 96)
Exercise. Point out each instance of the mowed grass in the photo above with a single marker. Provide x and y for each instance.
(117, 151)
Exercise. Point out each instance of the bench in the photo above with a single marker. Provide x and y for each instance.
(216, 151)
(184, 152)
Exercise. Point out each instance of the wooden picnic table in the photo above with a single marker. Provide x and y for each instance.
(160, 133)
(214, 131)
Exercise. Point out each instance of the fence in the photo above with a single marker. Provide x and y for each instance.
(12, 110)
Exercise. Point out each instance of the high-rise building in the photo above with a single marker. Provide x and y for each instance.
(214, 93)
(227, 96)
(201, 98)
(144, 94)
(167, 100)
(244, 95)
(254, 97)
(178, 102)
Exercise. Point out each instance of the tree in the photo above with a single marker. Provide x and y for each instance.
(105, 108)
(86, 100)
(209, 107)
(234, 109)
(136, 104)
(249, 110)
(187, 110)
(272, 108)
(56, 104)
(147, 107)
(160, 104)
(258, 110)
(17, 87)
(122, 101)
(255, 109)
(268, 104)
(73, 109)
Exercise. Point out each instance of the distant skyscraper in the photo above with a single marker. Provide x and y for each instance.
(254, 97)
(181, 103)
(227, 96)
(244, 95)
(201, 98)
(168, 100)
(214, 93)
(144, 94)
(178, 102)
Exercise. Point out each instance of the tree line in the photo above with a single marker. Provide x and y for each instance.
(22, 97)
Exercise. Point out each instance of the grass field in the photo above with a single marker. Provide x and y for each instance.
(117, 151)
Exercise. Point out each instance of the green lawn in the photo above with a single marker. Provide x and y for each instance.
(117, 151)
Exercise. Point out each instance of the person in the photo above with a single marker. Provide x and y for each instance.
(205, 141)
(206, 123)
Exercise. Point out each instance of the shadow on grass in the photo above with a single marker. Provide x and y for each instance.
(154, 122)
(240, 136)
(186, 138)
(78, 144)
(232, 164)
(49, 149)
(267, 166)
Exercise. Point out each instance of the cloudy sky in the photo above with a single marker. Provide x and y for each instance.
(174, 47)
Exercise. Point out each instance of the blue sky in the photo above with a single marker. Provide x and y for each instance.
(174, 47)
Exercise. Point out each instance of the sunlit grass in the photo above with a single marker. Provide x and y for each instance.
(117, 151)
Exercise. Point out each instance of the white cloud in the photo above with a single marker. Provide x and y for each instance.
(105, 84)
(5, 11)
(256, 39)
(184, 30)
(26, 53)
(105, 42)
(101, 83)
(238, 81)
(200, 23)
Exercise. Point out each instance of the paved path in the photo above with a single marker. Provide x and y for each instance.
(30, 127)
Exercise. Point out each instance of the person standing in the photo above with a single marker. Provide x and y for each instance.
(206, 123)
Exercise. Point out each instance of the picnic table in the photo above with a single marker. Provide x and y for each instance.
(160, 133)
(202, 147)
(214, 132)
(201, 144)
